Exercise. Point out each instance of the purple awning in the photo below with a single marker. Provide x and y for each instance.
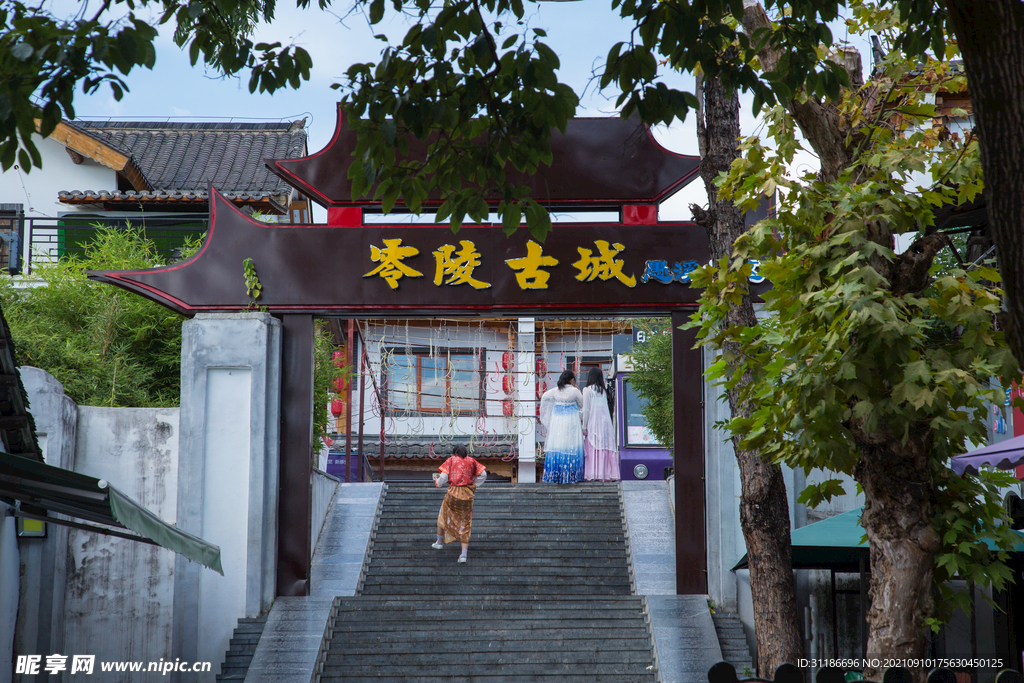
(1004, 455)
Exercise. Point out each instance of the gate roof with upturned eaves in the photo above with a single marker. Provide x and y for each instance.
(348, 268)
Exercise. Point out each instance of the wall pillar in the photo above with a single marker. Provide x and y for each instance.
(227, 476)
(725, 541)
(526, 384)
(688, 449)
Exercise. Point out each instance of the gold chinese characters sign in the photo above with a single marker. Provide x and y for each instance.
(531, 270)
(429, 270)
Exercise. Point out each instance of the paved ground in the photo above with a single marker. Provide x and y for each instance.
(684, 634)
(683, 631)
(287, 651)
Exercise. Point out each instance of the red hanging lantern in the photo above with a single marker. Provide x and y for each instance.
(339, 358)
(337, 407)
(542, 365)
(339, 385)
(508, 384)
(508, 359)
(508, 407)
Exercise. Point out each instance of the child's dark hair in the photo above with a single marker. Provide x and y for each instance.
(460, 451)
(566, 377)
(596, 379)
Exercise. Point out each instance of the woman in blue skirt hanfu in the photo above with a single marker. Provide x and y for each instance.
(560, 415)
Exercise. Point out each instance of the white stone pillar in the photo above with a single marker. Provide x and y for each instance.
(526, 387)
(227, 477)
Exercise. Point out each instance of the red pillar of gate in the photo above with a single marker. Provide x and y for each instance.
(688, 448)
(294, 506)
(350, 359)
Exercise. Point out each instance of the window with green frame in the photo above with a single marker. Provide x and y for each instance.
(446, 382)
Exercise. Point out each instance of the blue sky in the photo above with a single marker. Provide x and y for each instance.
(580, 32)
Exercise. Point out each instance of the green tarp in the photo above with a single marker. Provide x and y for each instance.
(83, 497)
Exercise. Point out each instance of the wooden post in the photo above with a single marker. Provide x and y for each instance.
(294, 506)
(688, 449)
(349, 361)
(362, 410)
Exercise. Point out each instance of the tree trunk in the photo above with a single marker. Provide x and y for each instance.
(764, 510)
(899, 503)
(991, 39)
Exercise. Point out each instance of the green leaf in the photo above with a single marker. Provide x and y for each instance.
(511, 217)
(376, 11)
(22, 51)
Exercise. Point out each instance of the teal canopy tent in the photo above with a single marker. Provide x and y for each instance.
(838, 545)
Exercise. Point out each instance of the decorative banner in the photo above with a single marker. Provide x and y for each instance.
(583, 269)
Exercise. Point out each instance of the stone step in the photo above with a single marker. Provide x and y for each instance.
(478, 625)
(513, 676)
(518, 671)
(447, 610)
(581, 645)
(537, 588)
(475, 568)
(450, 659)
(732, 640)
(558, 524)
(241, 648)
(545, 599)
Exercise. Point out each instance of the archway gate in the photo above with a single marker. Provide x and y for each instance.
(636, 265)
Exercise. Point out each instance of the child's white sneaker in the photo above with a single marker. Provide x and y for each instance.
(462, 559)
(436, 546)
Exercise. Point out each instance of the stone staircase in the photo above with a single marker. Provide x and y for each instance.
(733, 641)
(546, 595)
(241, 649)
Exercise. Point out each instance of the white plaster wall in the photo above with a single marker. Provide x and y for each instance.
(324, 488)
(120, 592)
(9, 580)
(228, 483)
(722, 488)
(225, 519)
(37, 190)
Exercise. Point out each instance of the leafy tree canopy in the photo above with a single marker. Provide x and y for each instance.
(473, 69)
(108, 347)
(876, 365)
(652, 377)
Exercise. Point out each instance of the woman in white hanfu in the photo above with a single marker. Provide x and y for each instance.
(600, 454)
(560, 415)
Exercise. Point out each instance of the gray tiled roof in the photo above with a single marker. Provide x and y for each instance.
(180, 196)
(184, 157)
